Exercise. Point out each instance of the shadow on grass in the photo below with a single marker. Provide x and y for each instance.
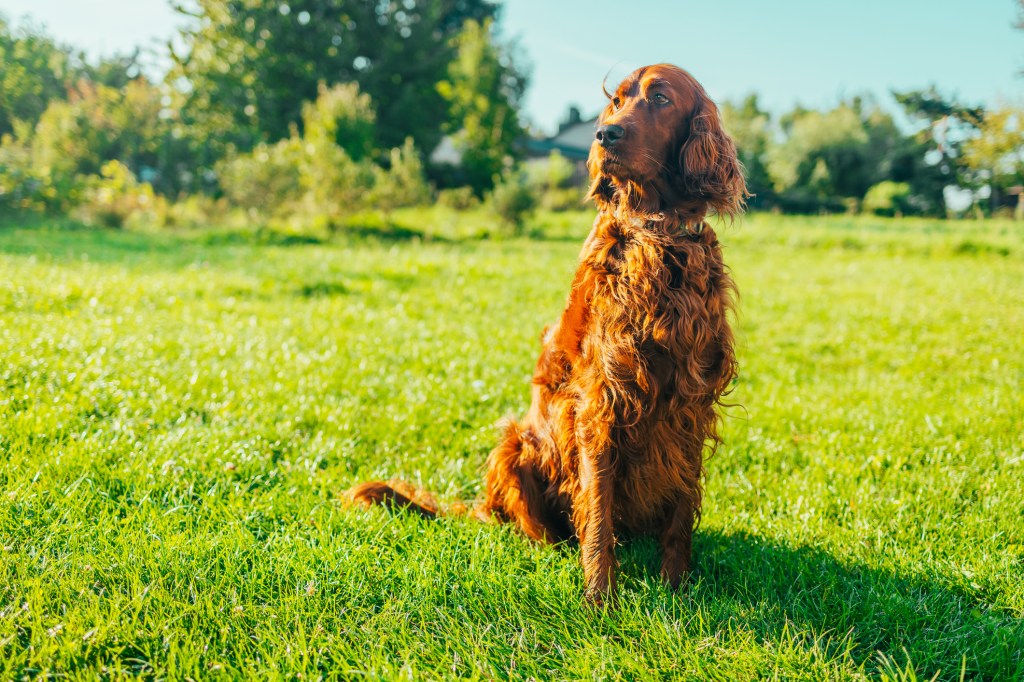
(65, 239)
(777, 591)
(388, 231)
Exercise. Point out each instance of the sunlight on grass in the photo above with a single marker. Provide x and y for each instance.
(180, 412)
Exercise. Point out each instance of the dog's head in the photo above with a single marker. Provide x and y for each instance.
(659, 144)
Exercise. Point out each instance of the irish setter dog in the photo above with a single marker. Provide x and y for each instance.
(628, 382)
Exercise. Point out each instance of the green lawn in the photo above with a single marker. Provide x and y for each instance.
(179, 414)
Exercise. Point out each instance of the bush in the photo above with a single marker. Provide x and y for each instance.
(99, 124)
(334, 185)
(513, 199)
(343, 117)
(55, 163)
(21, 187)
(403, 183)
(458, 198)
(312, 181)
(267, 181)
(887, 198)
(196, 211)
(115, 196)
(553, 180)
(562, 199)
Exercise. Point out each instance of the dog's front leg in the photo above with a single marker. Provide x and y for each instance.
(677, 539)
(593, 519)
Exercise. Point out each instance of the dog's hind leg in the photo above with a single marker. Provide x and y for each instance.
(515, 491)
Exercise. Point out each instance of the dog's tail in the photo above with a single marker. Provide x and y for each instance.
(401, 496)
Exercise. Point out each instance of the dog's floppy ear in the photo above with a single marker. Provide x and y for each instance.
(708, 166)
(601, 190)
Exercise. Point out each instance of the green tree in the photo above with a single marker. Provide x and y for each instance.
(943, 126)
(751, 129)
(249, 65)
(822, 160)
(99, 124)
(827, 160)
(319, 178)
(34, 71)
(997, 152)
(343, 116)
(483, 89)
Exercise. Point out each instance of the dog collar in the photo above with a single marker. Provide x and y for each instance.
(640, 221)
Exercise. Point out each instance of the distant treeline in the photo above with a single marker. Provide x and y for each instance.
(855, 158)
(314, 109)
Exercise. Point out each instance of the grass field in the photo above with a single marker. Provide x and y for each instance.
(179, 413)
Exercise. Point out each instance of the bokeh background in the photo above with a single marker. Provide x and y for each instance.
(253, 252)
(310, 112)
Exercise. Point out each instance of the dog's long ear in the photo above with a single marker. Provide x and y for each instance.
(601, 190)
(708, 166)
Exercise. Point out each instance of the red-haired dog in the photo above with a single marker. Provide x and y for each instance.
(628, 382)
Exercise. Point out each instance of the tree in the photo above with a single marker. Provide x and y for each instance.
(944, 125)
(750, 128)
(997, 153)
(483, 90)
(35, 72)
(319, 178)
(100, 124)
(822, 160)
(343, 116)
(249, 65)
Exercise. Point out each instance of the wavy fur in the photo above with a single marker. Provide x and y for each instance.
(628, 381)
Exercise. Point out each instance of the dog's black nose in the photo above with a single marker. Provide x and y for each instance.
(609, 134)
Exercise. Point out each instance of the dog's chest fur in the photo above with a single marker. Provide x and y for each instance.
(650, 336)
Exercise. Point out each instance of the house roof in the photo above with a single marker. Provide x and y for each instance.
(572, 140)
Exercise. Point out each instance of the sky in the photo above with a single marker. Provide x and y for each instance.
(811, 52)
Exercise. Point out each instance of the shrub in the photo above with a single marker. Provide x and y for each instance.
(267, 181)
(21, 187)
(458, 198)
(115, 196)
(340, 116)
(98, 124)
(333, 184)
(513, 199)
(312, 181)
(403, 183)
(196, 211)
(887, 198)
(553, 180)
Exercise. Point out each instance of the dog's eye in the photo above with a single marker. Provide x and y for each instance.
(659, 98)
(616, 103)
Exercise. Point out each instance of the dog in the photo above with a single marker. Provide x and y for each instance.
(627, 388)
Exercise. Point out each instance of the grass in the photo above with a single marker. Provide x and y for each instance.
(179, 413)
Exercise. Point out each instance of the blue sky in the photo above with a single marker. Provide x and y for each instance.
(814, 52)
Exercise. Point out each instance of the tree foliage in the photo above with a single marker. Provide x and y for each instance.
(945, 125)
(823, 158)
(323, 107)
(99, 124)
(250, 64)
(750, 127)
(35, 71)
(324, 174)
(998, 149)
(483, 89)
